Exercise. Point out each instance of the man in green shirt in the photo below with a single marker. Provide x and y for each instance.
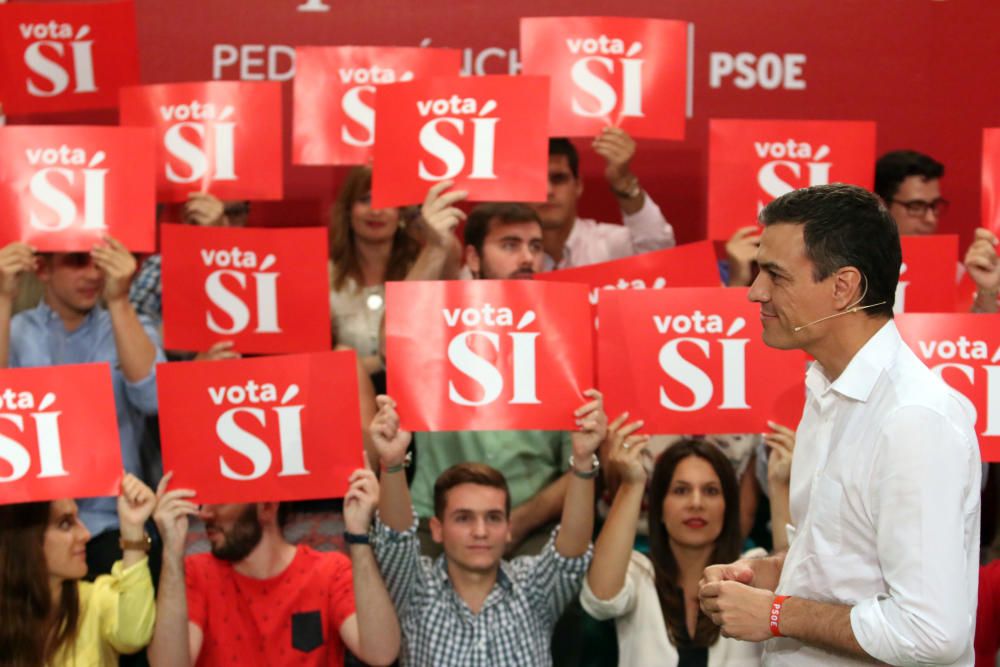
(503, 242)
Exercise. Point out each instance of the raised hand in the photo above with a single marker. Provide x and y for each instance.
(221, 350)
(593, 426)
(171, 515)
(117, 264)
(439, 215)
(981, 261)
(389, 440)
(361, 501)
(781, 442)
(136, 502)
(15, 259)
(625, 451)
(204, 210)
(617, 148)
(741, 250)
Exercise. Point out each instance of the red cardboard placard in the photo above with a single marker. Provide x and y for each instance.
(267, 428)
(66, 56)
(689, 265)
(692, 360)
(752, 162)
(63, 188)
(334, 91)
(58, 433)
(264, 289)
(486, 133)
(624, 72)
(927, 276)
(991, 179)
(964, 350)
(222, 137)
(488, 354)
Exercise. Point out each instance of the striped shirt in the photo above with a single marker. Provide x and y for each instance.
(514, 626)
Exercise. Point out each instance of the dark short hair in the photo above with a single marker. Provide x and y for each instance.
(467, 473)
(563, 146)
(481, 218)
(845, 225)
(896, 166)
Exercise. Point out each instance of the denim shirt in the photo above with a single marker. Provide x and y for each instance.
(39, 338)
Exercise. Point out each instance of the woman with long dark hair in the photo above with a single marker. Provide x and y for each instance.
(48, 616)
(694, 521)
(370, 246)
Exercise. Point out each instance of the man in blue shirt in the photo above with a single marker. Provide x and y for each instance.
(70, 327)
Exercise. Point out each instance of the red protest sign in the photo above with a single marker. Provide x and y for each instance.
(626, 72)
(334, 93)
(963, 349)
(222, 137)
(927, 275)
(752, 162)
(268, 428)
(991, 179)
(264, 289)
(63, 188)
(692, 360)
(488, 354)
(58, 433)
(689, 265)
(486, 133)
(66, 56)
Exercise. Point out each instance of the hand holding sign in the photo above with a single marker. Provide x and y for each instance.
(439, 215)
(118, 265)
(981, 261)
(135, 505)
(361, 501)
(15, 259)
(389, 440)
(592, 423)
(171, 516)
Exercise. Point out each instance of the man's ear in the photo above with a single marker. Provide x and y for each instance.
(267, 513)
(436, 530)
(848, 288)
(472, 260)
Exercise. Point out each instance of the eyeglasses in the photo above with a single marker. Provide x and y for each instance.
(919, 207)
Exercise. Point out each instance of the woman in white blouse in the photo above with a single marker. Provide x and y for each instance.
(693, 523)
(370, 246)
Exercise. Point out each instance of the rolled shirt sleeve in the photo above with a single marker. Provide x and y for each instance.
(648, 229)
(925, 488)
(127, 606)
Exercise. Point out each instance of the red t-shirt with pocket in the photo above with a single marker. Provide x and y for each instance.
(292, 619)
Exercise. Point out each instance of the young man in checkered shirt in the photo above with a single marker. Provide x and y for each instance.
(470, 607)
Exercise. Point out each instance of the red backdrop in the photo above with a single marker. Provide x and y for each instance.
(918, 67)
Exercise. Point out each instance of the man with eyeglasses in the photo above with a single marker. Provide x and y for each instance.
(70, 326)
(573, 241)
(909, 184)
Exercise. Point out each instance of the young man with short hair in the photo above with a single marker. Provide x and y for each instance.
(69, 326)
(470, 607)
(573, 241)
(909, 184)
(257, 599)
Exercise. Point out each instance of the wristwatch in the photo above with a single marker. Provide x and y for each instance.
(144, 544)
(631, 190)
(356, 538)
(590, 474)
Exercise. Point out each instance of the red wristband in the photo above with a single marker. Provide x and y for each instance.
(776, 614)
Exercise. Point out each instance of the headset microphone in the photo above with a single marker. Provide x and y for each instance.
(853, 308)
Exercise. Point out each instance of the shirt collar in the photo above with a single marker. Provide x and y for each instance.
(504, 574)
(859, 378)
(49, 316)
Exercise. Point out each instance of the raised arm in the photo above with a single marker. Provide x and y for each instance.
(136, 352)
(577, 523)
(15, 259)
(390, 442)
(176, 641)
(372, 632)
(441, 254)
(781, 442)
(613, 549)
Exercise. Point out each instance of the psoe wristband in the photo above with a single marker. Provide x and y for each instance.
(776, 614)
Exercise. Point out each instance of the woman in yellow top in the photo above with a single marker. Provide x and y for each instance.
(48, 616)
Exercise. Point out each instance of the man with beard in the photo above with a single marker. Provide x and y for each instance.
(503, 241)
(256, 599)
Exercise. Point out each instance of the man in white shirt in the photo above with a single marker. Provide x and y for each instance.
(573, 241)
(882, 563)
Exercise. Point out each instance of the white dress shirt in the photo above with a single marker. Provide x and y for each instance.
(885, 501)
(591, 242)
(642, 630)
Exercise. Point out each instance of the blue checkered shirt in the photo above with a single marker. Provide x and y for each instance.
(146, 291)
(514, 626)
